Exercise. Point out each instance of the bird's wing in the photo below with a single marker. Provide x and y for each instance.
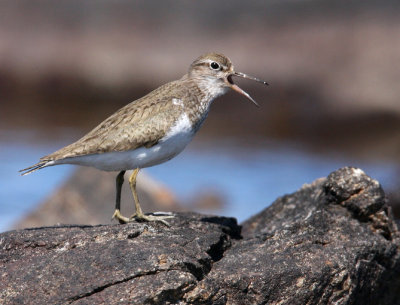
(141, 123)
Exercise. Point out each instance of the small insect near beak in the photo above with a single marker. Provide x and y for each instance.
(238, 89)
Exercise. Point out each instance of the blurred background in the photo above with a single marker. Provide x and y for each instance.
(333, 99)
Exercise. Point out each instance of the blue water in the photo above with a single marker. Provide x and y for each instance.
(18, 195)
(248, 179)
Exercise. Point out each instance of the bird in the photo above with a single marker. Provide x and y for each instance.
(151, 130)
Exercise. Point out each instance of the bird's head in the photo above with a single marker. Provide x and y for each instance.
(213, 73)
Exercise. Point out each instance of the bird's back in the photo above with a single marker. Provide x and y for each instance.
(141, 123)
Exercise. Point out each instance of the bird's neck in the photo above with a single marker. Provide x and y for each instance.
(201, 93)
(210, 89)
(205, 88)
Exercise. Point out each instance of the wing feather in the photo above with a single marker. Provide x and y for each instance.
(141, 123)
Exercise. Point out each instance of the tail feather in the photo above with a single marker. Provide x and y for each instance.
(34, 168)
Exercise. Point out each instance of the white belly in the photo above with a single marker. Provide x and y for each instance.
(167, 148)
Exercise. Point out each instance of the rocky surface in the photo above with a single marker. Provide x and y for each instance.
(111, 264)
(332, 242)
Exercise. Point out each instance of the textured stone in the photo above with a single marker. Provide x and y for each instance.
(332, 242)
(111, 264)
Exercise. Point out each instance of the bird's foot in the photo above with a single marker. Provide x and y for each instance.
(122, 219)
(158, 216)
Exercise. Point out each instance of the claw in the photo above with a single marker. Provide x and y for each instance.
(143, 217)
(122, 219)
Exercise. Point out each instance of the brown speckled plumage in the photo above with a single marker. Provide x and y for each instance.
(145, 122)
(141, 123)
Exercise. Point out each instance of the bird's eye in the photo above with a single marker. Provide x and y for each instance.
(214, 65)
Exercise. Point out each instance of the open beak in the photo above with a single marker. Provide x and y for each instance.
(238, 89)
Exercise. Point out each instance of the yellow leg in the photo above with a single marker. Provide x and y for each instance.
(139, 215)
(132, 182)
(117, 212)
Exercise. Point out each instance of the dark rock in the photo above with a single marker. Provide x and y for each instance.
(111, 264)
(332, 242)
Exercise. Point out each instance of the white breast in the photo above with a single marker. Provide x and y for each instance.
(168, 147)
